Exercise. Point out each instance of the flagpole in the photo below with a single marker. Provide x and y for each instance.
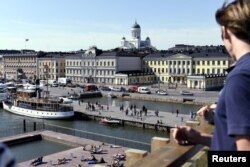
(26, 40)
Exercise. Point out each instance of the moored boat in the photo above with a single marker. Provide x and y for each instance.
(26, 103)
(3, 93)
(109, 121)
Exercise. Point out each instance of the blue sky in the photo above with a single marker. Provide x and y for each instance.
(66, 25)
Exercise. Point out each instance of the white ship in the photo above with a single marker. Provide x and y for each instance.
(26, 103)
(3, 92)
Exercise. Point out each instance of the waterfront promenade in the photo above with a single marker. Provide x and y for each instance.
(163, 121)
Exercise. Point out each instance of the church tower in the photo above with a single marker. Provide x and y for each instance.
(136, 34)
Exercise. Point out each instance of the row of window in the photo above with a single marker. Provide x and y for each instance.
(202, 62)
(184, 71)
(52, 70)
(20, 58)
(41, 64)
(91, 72)
(90, 63)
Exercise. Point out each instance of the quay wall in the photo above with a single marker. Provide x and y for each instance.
(166, 98)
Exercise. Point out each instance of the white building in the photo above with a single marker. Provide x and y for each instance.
(135, 42)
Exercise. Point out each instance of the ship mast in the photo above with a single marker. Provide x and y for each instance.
(46, 67)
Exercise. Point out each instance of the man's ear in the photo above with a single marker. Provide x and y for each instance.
(226, 34)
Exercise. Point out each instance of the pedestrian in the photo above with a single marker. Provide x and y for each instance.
(107, 107)
(232, 116)
(177, 112)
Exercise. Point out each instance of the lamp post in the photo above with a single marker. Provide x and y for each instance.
(26, 40)
(159, 81)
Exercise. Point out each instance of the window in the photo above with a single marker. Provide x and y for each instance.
(203, 62)
(218, 62)
(224, 62)
(213, 62)
(198, 62)
(193, 62)
(198, 71)
(208, 62)
(183, 62)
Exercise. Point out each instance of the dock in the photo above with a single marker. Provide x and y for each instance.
(164, 121)
(75, 155)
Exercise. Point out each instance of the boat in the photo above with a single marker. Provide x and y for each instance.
(27, 103)
(111, 95)
(66, 100)
(161, 92)
(3, 92)
(186, 93)
(74, 96)
(109, 121)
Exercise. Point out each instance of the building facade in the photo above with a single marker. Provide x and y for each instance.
(179, 67)
(96, 66)
(20, 65)
(135, 42)
(55, 65)
(1, 67)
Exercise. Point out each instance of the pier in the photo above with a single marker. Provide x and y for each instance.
(164, 121)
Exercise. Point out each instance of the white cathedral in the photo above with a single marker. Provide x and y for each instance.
(135, 42)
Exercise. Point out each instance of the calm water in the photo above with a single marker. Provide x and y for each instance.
(37, 149)
(11, 121)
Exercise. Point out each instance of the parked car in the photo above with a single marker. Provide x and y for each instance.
(161, 92)
(115, 89)
(144, 90)
(186, 93)
(133, 88)
(104, 88)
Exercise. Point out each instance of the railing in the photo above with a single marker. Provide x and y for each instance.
(165, 152)
(29, 126)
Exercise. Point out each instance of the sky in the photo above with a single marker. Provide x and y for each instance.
(70, 25)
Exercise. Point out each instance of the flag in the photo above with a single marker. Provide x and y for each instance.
(26, 40)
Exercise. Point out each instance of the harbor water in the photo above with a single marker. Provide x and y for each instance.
(9, 121)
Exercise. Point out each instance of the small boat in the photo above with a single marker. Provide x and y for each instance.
(111, 95)
(109, 121)
(186, 93)
(161, 92)
(74, 97)
(28, 104)
(66, 100)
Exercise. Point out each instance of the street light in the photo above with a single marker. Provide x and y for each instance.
(159, 81)
(26, 40)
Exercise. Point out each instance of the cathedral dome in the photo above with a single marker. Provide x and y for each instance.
(136, 25)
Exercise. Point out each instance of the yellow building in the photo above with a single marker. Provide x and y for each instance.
(55, 64)
(178, 67)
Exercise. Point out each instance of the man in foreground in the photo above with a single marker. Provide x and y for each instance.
(232, 115)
